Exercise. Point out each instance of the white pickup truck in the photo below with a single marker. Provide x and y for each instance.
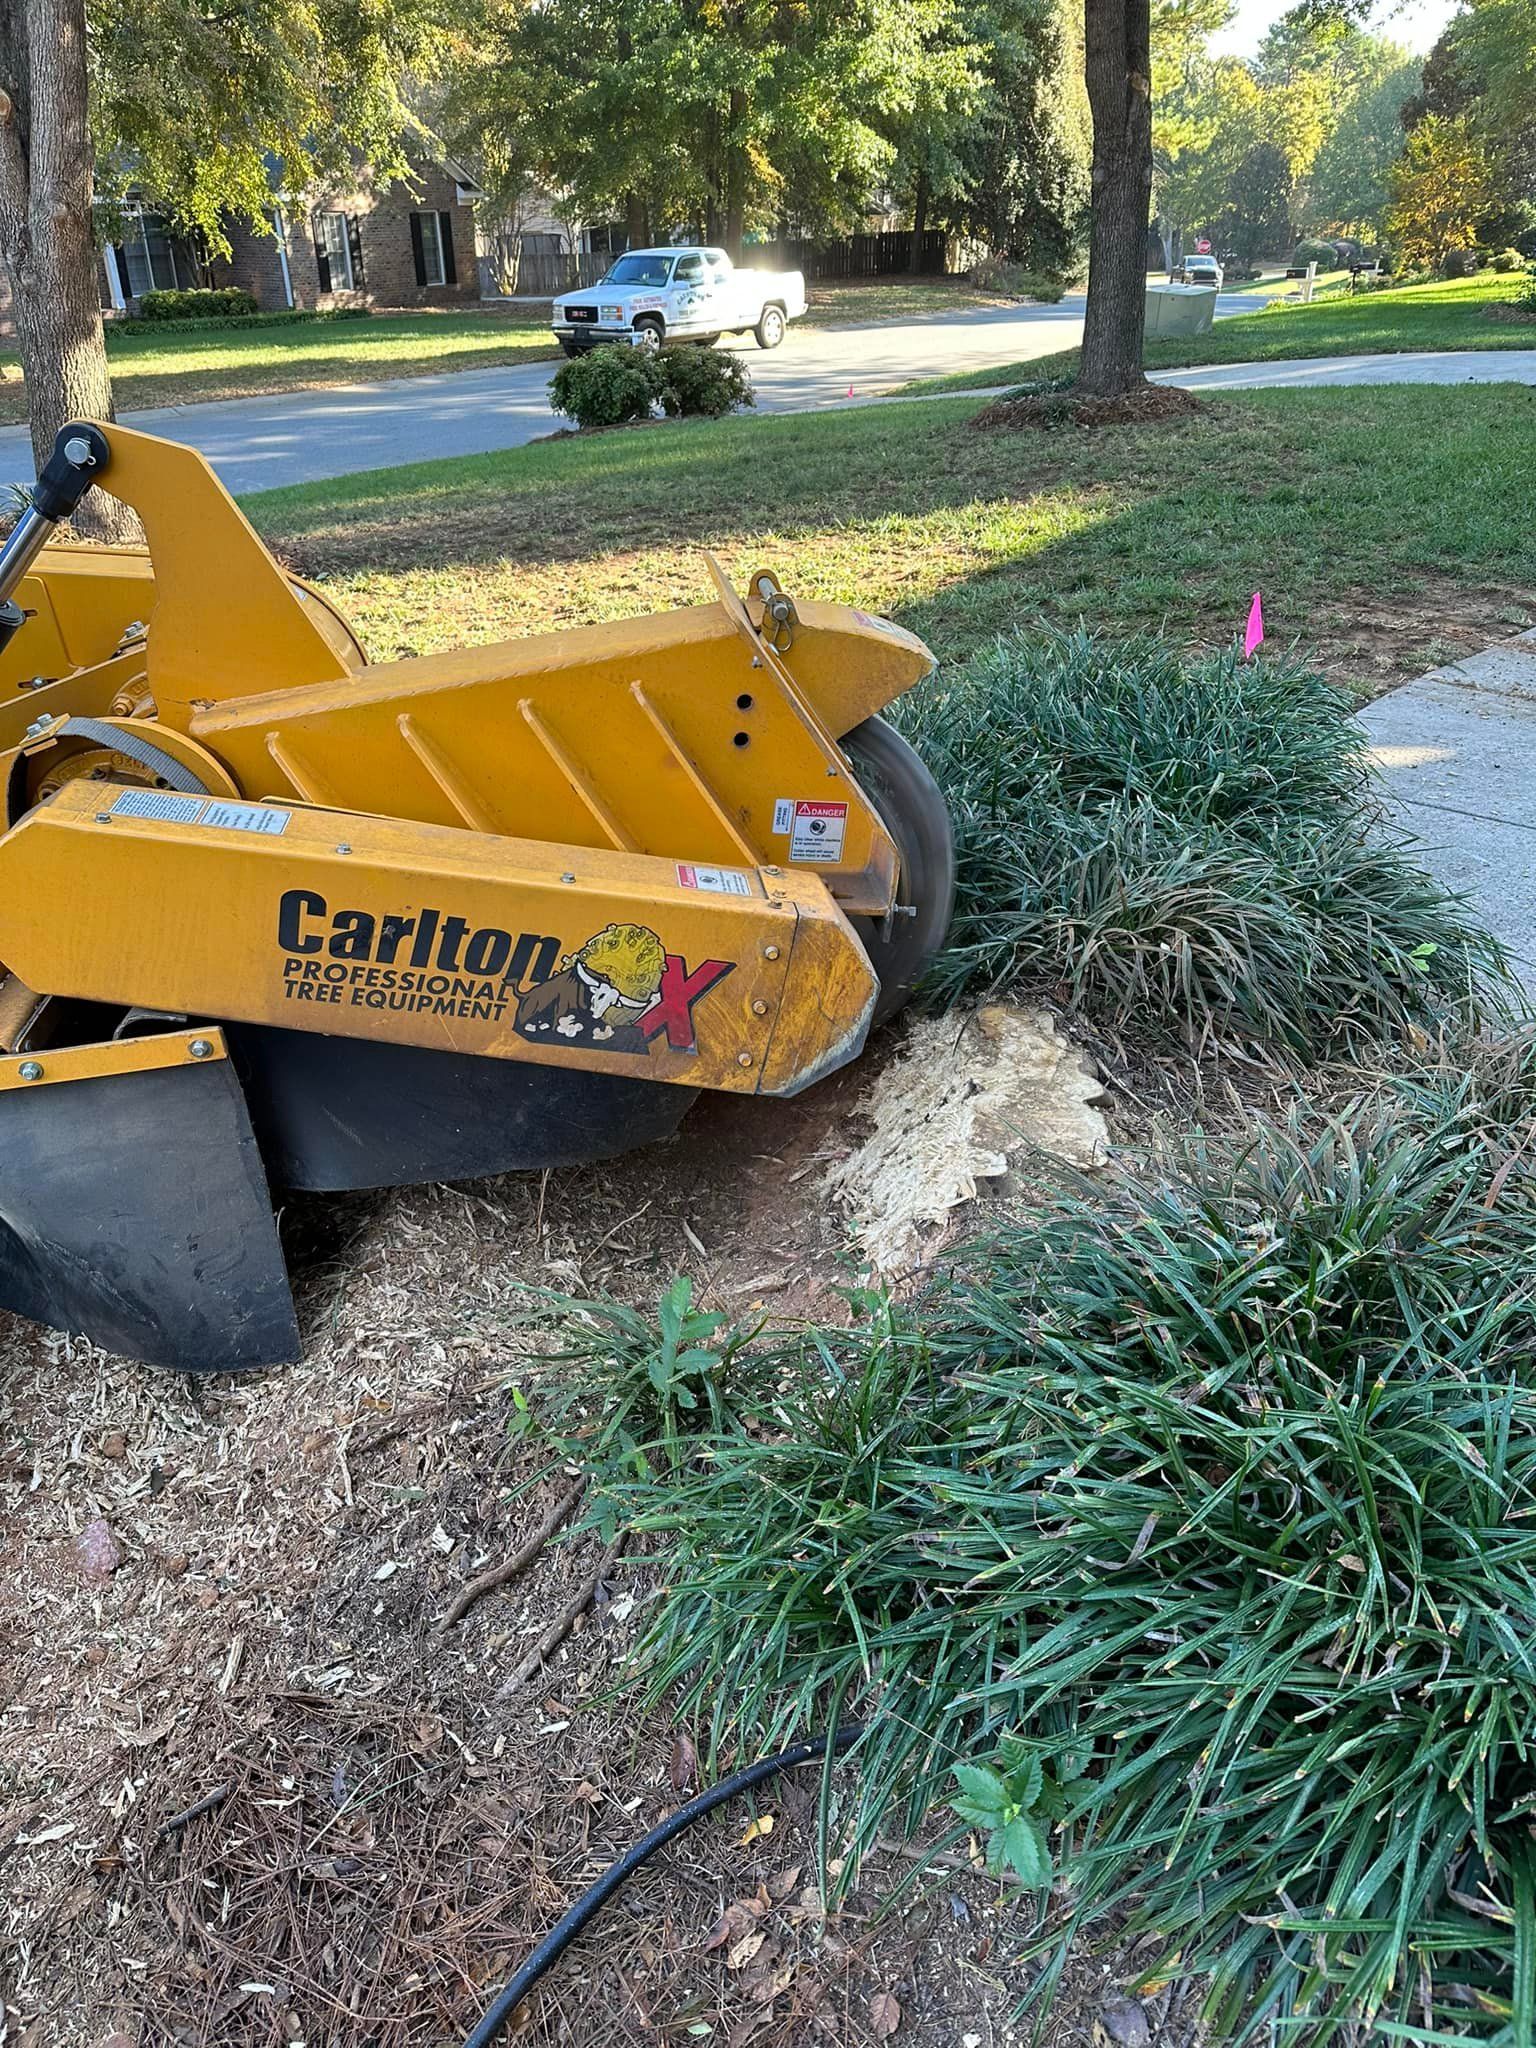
(691, 294)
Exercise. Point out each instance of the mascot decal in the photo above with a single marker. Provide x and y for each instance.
(618, 993)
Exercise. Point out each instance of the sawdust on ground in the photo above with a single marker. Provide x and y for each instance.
(249, 1792)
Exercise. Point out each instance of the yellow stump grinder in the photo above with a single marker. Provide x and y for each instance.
(273, 914)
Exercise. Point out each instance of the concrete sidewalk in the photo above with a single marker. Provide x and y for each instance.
(1457, 751)
(1437, 366)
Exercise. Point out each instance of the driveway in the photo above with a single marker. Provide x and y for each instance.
(298, 436)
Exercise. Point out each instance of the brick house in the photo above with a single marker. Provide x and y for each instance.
(403, 244)
(360, 245)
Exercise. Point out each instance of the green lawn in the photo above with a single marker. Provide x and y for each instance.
(178, 369)
(1452, 314)
(1380, 524)
(850, 304)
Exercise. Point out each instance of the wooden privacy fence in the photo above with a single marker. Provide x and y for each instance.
(886, 255)
(509, 268)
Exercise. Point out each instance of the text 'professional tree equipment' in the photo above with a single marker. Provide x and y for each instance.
(273, 915)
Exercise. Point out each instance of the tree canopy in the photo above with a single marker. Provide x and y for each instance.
(205, 109)
(732, 114)
(1303, 137)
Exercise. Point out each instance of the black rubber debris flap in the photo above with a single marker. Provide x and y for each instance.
(134, 1211)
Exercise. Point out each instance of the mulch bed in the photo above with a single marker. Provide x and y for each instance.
(1045, 409)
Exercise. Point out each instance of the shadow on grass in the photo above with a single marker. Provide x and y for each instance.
(1330, 501)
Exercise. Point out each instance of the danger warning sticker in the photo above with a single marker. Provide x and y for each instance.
(718, 881)
(816, 831)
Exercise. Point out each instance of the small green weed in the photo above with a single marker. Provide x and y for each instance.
(1014, 1798)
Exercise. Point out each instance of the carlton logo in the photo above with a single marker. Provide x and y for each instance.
(620, 991)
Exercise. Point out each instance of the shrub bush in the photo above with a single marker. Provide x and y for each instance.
(1459, 263)
(226, 304)
(1188, 848)
(703, 383)
(239, 322)
(1314, 250)
(1508, 259)
(607, 386)
(1016, 280)
(1220, 1484)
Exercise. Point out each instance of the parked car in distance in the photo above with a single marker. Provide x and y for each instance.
(1203, 270)
(651, 296)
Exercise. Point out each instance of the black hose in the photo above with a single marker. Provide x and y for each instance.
(565, 1931)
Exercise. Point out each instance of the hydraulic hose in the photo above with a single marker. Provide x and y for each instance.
(565, 1931)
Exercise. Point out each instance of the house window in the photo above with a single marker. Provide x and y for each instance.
(333, 245)
(431, 249)
(148, 254)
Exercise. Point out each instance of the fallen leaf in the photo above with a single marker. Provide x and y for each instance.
(884, 2015)
(146, 1738)
(1122, 2023)
(755, 1830)
(732, 1924)
(784, 1881)
(685, 1764)
(741, 1952)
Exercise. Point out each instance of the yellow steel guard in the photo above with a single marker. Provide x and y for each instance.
(366, 927)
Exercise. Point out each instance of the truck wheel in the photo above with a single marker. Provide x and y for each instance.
(770, 329)
(569, 348)
(649, 333)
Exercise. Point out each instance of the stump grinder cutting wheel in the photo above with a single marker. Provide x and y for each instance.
(273, 915)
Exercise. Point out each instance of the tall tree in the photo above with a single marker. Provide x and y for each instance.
(45, 225)
(1117, 44)
(1020, 158)
(199, 108)
(1350, 186)
(730, 115)
(1442, 188)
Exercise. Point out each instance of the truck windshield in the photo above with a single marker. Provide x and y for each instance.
(640, 270)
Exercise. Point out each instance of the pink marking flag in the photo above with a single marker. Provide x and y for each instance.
(850, 391)
(1255, 632)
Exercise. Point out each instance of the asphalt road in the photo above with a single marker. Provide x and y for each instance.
(255, 443)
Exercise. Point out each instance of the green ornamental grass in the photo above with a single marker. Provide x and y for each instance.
(1184, 847)
(1218, 1495)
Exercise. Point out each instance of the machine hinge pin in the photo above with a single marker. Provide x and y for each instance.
(200, 1048)
(770, 952)
(30, 1070)
(567, 878)
(743, 1059)
(759, 1009)
(344, 847)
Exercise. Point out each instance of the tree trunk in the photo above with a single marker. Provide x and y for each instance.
(636, 228)
(45, 231)
(919, 223)
(1117, 38)
(735, 176)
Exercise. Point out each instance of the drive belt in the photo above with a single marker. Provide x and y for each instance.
(101, 732)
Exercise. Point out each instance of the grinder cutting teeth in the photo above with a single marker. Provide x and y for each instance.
(274, 915)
